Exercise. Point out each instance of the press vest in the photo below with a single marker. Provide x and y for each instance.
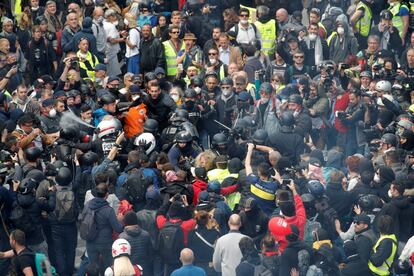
(171, 57)
(93, 61)
(397, 21)
(364, 23)
(384, 269)
(268, 34)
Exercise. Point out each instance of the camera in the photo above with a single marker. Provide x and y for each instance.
(329, 70)
(285, 183)
(344, 66)
(340, 114)
(74, 63)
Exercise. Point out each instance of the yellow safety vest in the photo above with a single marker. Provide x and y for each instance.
(93, 61)
(384, 269)
(268, 33)
(333, 34)
(252, 13)
(364, 23)
(322, 27)
(171, 57)
(17, 9)
(397, 21)
(222, 73)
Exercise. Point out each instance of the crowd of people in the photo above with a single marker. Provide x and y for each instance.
(207, 137)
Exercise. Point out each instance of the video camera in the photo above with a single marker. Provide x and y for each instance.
(329, 70)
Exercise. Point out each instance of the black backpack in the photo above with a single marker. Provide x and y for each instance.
(88, 229)
(65, 209)
(21, 219)
(135, 187)
(171, 242)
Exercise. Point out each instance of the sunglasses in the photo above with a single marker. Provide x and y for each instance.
(299, 56)
(244, 15)
(212, 54)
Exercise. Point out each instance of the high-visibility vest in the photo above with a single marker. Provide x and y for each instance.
(364, 23)
(411, 22)
(384, 269)
(268, 34)
(171, 57)
(222, 72)
(252, 13)
(17, 12)
(322, 27)
(397, 21)
(93, 61)
(333, 34)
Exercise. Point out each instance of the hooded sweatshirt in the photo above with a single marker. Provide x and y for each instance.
(339, 49)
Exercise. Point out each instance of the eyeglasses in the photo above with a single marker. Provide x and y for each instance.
(212, 54)
(299, 56)
(244, 15)
(225, 87)
(174, 32)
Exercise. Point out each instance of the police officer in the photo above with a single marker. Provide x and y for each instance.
(289, 143)
(183, 151)
(190, 104)
(179, 122)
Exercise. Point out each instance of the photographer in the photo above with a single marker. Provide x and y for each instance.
(388, 34)
(354, 113)
(298, 68)
(70, 77)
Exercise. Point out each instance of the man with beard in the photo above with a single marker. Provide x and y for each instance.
(159, 105)
(152, 51)
(23, 102)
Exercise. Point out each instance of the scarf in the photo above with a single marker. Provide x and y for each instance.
(318, 244)
(318, 49)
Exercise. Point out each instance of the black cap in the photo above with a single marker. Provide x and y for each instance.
(200, 173)
(362, 218)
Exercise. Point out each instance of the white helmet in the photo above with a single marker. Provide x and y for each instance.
(121, 247)
(109, 126)
(383, 86)
(388, 97)
(146, 138)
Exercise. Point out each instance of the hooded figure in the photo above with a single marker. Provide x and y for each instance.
(254, 221)
(342, 42)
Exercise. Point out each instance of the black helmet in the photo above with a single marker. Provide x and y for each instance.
(59, 164)
(27, 186)
(366, 202)
(151, 126)
(88, 158)
(260, 137)
(389, 138)
(40, 19)
(51, 170)
(32, 154)
(316, 188)
(64, 176)
(249, 120)
(149, 77)
(219, 139)
(287, 119)
(107, 99)
(296, 98)
(307, 198)
(183, 137)
(226, 81)
(190, 93)
(36, 174)
(69, 133)
(182, 113)
(197, 81)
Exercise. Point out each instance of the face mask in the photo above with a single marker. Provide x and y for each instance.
(376, 178)
(264, 100)
(197, 90)
(244, 21)
(126, 23)
(116, 23)
(312, 37)
(226, 92)
(98, 80)
(88, 120)
(52, 113)
(99, 19)
(389, 194)
(340, 30)
(113, 90)
(135, 97)
(34, 8)
(175, 97)
(212, 61)
(295, 114)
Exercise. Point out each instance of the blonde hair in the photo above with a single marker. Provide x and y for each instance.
(123, 266)
(132, 20)
(209, 157)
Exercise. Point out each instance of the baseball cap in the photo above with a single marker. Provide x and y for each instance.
(100, 67)
(362, 218)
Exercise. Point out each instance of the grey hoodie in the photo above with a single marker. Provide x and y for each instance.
(339, 49)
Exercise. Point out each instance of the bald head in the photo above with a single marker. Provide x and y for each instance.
(234, 222)
(186, 256)
(97, 12)
(282, 15)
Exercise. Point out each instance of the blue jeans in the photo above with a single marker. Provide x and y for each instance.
(133, 64)
(95, 250)
(65, 240)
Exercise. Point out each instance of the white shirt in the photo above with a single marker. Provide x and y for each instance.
(134, 37)
(225, 55)
(111, 32)
(247, 36)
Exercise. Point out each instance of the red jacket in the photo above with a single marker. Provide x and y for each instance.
(186, 225)
(299, 220)
(340, 105)
(200, 185)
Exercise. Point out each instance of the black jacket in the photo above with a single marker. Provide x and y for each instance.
(394, 43)
(254, 224)
(402, 211)
(152, 54)
(303, 123)
(288, 143)
(160, 109)
(141, 247)
(355, 266)
(203, 253)
(365, 241)
(383, 252)
(289, 257)
(339, 199)
(226, 109)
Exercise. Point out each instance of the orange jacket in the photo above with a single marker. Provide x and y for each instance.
(134, 120)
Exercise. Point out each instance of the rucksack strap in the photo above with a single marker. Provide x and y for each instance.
(204, 240)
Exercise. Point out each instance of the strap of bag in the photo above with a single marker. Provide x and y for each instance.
(2, 221)
(204, 240)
